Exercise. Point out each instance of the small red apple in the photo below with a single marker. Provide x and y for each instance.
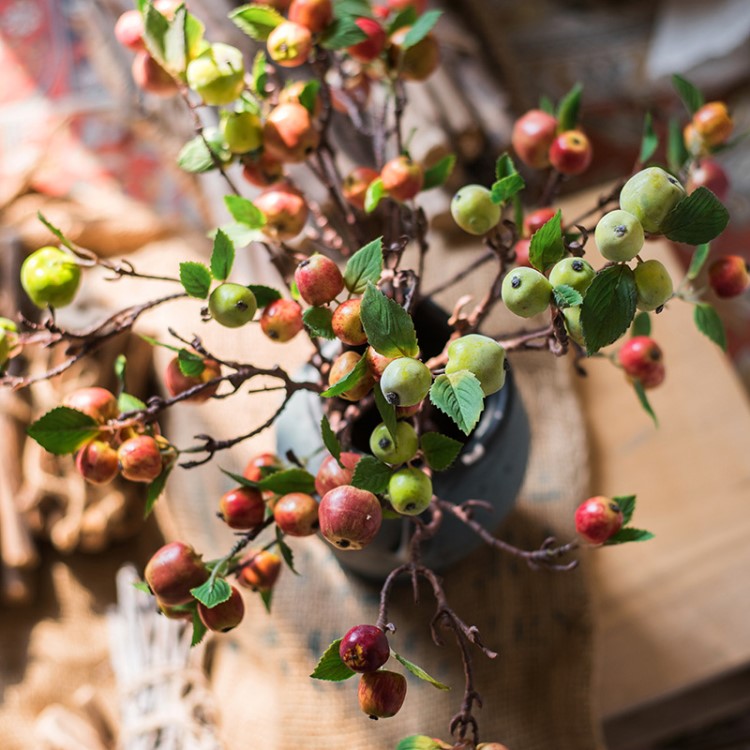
(713, 123)
(641, 358)
(709, 174)
(290, 44)
(99, 403)
(381, 694)
(349, 517)
(534, 221)
(364, 648)
(177, 382)
(354, 187)
(415, 63)
(140, 459)
(281, 320)
(571, 153)
(242, 508)
(598, 519)
(729, 276)
(285, 211)
(315, 15)
(129, 30)
(172, 571)
(368, 49)
(296, 514)
(289, 134)
(259, 570)
(97, 462)
(402, 178)
(330, 475)
(318, 280)
(151, 77)
(263, 171)
(225, 616)
(347, 323)
(342, 366)
(532, 136)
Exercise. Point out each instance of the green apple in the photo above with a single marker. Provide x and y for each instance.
(650, 195)
(574, 272)
(473, 210)
(50, 276)
(619, 236)
(410, 491)
(217, 75)
(242, 131)
(526, 292)
(480, 355)
(232, 305)
(392, 452)
(653, 284)
(572, 316)
(405, 382)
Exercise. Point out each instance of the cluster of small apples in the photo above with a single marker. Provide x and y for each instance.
(136, 454)
(539, 143)
(598, 519)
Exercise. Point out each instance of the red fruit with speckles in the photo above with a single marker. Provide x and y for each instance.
(534, 221)
(172, 571)
(254, 469)
(285, 212)
(402, 178)
(347, 323)
(571, 153)
(151, 77)
(370, 48)
(260, 570)
(341, 367)
(641, 358)
(313, 14)
(242, 508)
(349, 517)
(97, 462)
(296, 514)
(140, 459)
(281, 320)
(290, 44)
(289, 134)
(99, 403)
(711, 175)
(319, 280)
(598, 519)
(177, 382)
(532, 137)
(262, 172)
(129, 30)
(330, 475)
(354, 187)
(225, 616)
(729, 276)
(381, 694)
(364, 648)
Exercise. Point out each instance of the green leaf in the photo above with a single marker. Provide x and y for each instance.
(63, 430)
(195, 156)
(406, 17)
(286, 551)
(547, 246)
(244, 211)
(629, 535)
(546, 104)
(460, 396)
(142, 586)
(127, 403)
(608, 307)
(331, 667)
(121, 363)
(709, 324)
(190, 363)
(389, 328)
(154, 342)
(676, 152)
(259, 74)
(195, 278)
(308, 97)
(222, 257)
(342, 33)
(194, 31)
(57, 232)
(266, 596)
(153, 493)
(387, 411)
(257, 21)
(331, 442)
(649, 140)
(288, 480)
(440, 451)
(438, 173)
(242, 235)
(568, 109)
(419, 672)
(175, 42)
(690, 95)
(264, 295)
(696, 219)
(317, 320)
(566, 296)
(641, 324)
(640, 391)
(348, 381)
(364, 266)
(627, 506)
(212, 592)
(155, 28)
(356, 8)
(421, 28)
(507, 188)
(199, 629)
(371, 475)
(700, 255)
(375, 193)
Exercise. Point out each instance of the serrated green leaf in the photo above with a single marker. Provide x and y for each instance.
(286, 551)
(700, 255)
(194, 31)
(199, 629)
(259, 74)
(568, 109)
(264, 295)
(440, 451)
(649, 139)
(195, 278)
(506, 188)
(627, 506)
(676, 152)
(153, 493)
(266, 596)
(244, 211)
(348, 381)
(608, 307)
(222, 257)
(242, 481)
(308, 97)
(317, 320)
(566, 296)
(257, 21)
(438, 173)
(155, 28)
(389, 328)
(421, 28)
(375, 193)
(386, 410)
(696, 219)
(176, 43)
(690, 95)
(63, 430)
(460, 396)
(331, 667)
(547, 246)
(190, 363)
(406, 17)
(364, 266)
(355, 8)
(640, 391)
(371, 475)
(342, 33)
(331, 442)
(419, 672)
(288, 480)
(504, 166)
(142, 586)
(195, 156)
(213, 592)
(127, 402)
(709, 323)
(629, 535)
(57, 232)
(241, 235)
(641, 324)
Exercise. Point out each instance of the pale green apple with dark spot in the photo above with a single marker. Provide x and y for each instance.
(217, 75)
(573, 272)
(480, 355)
(473, 210)
(50, 276)
(653, 284)
(526, 292)
(650, 195)
(619, 236)
(410, 491)
(232, 305)
(405, 382)
(397, 451)
(572, 316)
